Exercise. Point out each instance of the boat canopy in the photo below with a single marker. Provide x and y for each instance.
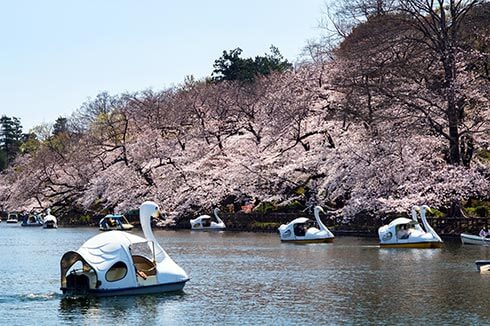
(299, 220)
(105, 249)
(114, 222)
(402, 220)
(118, 217)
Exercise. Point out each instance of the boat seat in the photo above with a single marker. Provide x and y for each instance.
(206, 223)
(300, 230)
(144, 264)
(78, 283)
(80, 280)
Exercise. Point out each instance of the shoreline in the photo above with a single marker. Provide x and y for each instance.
(338, 233)
(365, 226)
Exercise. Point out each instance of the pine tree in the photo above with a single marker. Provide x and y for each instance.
(10, 137)
(230, 66)
(60, 126)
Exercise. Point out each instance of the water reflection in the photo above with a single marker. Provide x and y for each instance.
(119, 310)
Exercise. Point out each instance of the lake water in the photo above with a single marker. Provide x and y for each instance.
(249, 278)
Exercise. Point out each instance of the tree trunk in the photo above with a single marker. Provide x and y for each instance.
(453, 115)
(456, 210)
(454, 154)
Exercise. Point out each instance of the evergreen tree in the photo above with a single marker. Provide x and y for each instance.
(230, 66)
(10, 137)
(60, 126)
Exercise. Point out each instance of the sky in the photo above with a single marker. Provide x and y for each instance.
(57, 54)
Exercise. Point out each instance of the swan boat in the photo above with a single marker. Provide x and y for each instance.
(474, 239)
(407, 233)
(120, 263)
(304, 230)
(205, 222)
(50, 221)
(13, 218)
(32, 220)
(114, 222)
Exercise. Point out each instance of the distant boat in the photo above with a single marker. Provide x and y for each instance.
(32, 220)
(407, 233)
(13, 218)
(205, 222)
(483, 266)
(474, 239)
(121, 263)
(114, 222)
(50, 221)
(304, 230)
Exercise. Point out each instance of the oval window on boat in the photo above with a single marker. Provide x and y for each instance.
(117, 272)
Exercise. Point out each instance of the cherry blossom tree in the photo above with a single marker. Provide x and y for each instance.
(347, 131)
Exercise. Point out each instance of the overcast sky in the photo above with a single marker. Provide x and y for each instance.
(56, 54)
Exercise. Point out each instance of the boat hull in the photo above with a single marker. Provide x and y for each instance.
(208, 229)
(115, 229)
(324, 240)
(140, 290)
(474, 240)
(420, 245)
(29, 225)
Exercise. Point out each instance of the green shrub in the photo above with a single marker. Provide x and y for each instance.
(434, 212)
(478, 211)
(265, 225)
(265, 207)
(299, 191)
(294, 205)
(484, 155)
(84, 219)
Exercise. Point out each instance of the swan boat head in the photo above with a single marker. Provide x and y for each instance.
(304, 230)
(120, 263)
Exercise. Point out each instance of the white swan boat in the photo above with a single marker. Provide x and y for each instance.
(407, 233)
(474, 239)
(13, 218)
(205, 222)
(50, 221)
(120, 263)
(304, 230)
